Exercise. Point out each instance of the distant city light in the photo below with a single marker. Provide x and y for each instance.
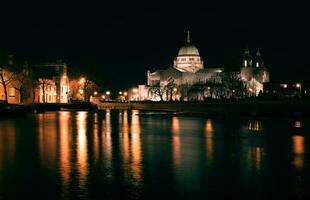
(108, 93)
(175, 89)
(120, 93)
(103, 97)
(135, 90)
(95, 93)
(125, 93)
(298, 85)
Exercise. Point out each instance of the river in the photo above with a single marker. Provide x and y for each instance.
(124, 155)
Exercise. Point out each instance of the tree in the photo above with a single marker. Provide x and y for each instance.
(233, 85)
(23, 83)
(82, 89)
(44, 83)
(6, 77)
(168, 88)
(157, 91)
(89, 88)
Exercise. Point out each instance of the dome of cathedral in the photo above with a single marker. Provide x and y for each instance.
(188, 50)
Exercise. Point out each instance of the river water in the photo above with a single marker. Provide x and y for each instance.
(126, 155)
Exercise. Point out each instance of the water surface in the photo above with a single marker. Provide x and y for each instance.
(124, 155)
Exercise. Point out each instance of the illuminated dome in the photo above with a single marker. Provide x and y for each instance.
(188, 50)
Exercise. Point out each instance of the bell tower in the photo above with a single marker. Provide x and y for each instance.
(259, 62)
(246, 59)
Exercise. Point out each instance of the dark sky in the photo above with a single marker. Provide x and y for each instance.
(115, 43)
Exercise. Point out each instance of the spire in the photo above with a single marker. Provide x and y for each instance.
(258, 52)
(188, 37)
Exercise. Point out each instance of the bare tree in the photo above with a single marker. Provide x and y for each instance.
(6, 77)
(157, 91)
(23, 84)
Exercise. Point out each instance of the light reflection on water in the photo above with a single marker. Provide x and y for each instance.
(176, 143)
(298, 151)
(121, 153)
(209, 139)
(82, 154)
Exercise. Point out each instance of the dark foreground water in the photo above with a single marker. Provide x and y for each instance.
(122, 155)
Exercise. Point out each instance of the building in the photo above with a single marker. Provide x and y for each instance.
(182, 80)
(53, 83)
(254, 75)
(8, 82)
(190, 79)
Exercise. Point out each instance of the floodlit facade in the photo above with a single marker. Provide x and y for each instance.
(13, 95)
(254, 74)
(188, 79)
(53, 82)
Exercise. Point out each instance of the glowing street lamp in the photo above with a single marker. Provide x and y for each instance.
(82, 80)
(120, 93)
(298, 85)
(125, 93)
(107, 92)
(95, 93)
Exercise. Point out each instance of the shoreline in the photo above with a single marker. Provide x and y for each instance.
(239, 109)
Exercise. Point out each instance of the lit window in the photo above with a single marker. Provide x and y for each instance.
(11, 92)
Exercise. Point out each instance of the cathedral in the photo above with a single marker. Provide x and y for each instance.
(253, 74)
(189, 80)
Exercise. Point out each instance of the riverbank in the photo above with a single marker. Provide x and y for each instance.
(11, 110)
(292, 108)
(15, 110)
(42, 107)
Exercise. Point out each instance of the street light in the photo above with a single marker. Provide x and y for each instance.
(298, 85)
(82, 80)
(108, 94)
(95, 93)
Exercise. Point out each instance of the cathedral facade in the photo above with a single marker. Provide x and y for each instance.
(188, 79)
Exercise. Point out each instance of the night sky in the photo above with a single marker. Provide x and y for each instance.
(115, 44)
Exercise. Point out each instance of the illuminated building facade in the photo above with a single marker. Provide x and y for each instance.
(254, 74)
(53, 83)
(177, 82)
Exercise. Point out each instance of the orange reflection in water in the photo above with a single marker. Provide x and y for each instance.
(7, 143)
(64, 146)
(255, 158)
(298, 151)
(106, 138)
(47, 135)
(81, 120)
(209, 131)
(136, 147)
(176, 143)
(125, 130)
(96, 138)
